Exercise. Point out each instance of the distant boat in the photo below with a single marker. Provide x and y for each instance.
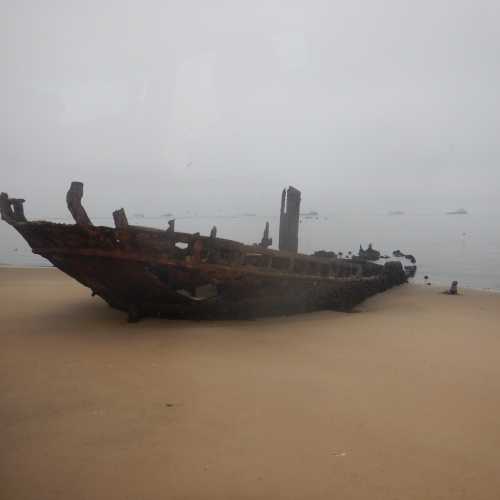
(138, 216)
(166, 215)
(460, 211)
(310, 214)
(396, 212)
(249, 215)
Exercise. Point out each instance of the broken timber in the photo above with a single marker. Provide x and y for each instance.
(74, 201)
(289, 220)
(152, 272)
(120, 218)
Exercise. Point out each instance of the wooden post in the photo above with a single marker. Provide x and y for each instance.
(289, 220)
(197, 249)
(74, 201)
(5, 208)
(11, 209)
(120, 218)
(266, 241)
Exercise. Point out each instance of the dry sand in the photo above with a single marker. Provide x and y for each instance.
(398, 401)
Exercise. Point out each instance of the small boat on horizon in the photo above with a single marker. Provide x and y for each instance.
(459, 211)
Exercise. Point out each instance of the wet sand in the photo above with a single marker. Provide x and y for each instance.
(400, 400)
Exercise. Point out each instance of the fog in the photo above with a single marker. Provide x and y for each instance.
(214, 106)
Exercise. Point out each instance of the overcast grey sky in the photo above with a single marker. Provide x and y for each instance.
(216, 105)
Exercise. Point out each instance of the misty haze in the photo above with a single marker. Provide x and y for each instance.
(216, 106)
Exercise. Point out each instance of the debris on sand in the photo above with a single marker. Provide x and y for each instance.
(453, 289)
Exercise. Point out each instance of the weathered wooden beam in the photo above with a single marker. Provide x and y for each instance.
(120, 218)
(266, 242)
(5, 208)
(197, 250)
(11, 209)
(74, 201)
(289, 220)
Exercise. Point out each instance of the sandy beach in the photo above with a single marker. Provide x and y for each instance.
(398, 400)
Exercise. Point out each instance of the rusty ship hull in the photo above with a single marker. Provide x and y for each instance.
(151, 272)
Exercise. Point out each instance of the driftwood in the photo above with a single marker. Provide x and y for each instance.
(120, 218)
(74, 201)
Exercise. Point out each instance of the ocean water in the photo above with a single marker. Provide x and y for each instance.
(447, 247)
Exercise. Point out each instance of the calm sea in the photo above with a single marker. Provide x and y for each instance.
(447, 247)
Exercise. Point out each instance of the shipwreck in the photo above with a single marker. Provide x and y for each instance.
(153, 272)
